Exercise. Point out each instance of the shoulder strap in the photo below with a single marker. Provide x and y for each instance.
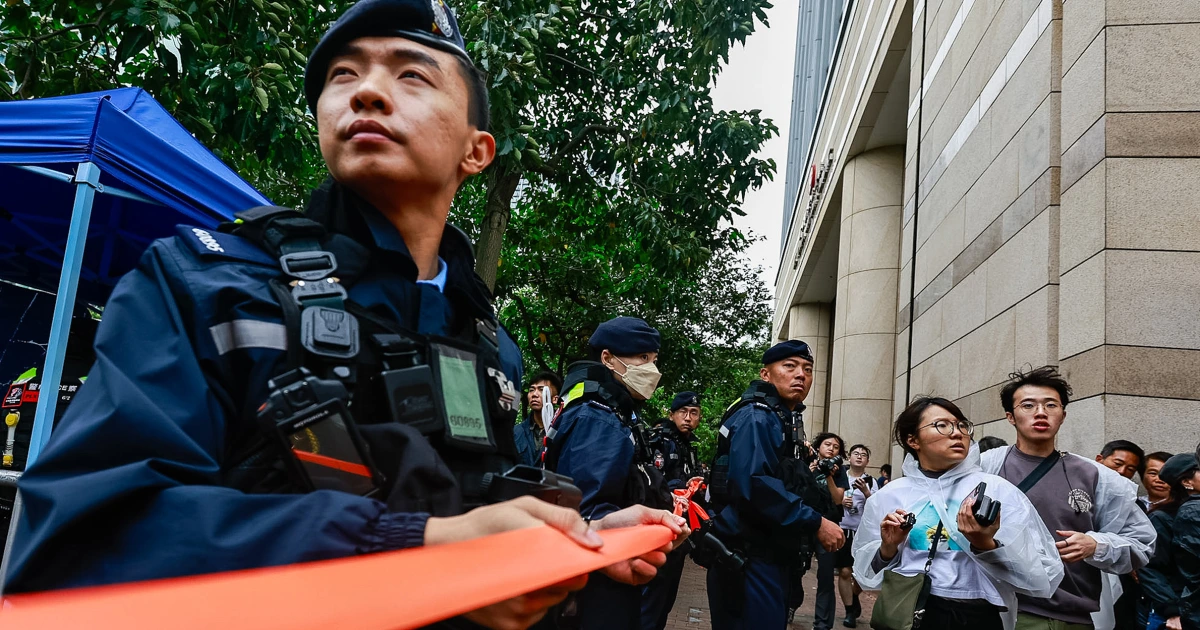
(1036, 474)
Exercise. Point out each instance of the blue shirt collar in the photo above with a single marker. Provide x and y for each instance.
(387, 237)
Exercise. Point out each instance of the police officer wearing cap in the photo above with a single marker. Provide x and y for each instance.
(233, 366)
(598, 442)
(673, 441)
(763, 494)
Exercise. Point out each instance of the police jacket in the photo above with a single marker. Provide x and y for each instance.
(758, 489)
(597, 441)
(528, 438)
(677, 454)
(132, 485)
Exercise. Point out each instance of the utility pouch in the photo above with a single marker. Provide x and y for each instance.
(408, 385)
(321, 445)
(458, 376)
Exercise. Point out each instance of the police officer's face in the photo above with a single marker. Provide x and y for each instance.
(686, 419)
(792, 378)
(392, 121)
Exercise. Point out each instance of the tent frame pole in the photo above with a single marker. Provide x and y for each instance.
(87, 182)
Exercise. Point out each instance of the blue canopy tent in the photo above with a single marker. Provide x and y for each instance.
(86, 183)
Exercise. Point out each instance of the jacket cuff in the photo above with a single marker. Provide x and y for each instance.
(397, 530)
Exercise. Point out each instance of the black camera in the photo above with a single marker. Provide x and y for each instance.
(910, 521)
(986, 510)
(827, 465)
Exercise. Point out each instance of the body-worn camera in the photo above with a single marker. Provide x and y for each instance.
(986, 509)
(827, 465)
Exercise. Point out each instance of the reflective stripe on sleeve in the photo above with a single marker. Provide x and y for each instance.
(249, 333)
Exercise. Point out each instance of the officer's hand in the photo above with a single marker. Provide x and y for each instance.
(891, 534)
(830, 535)
(642, 569)
(502, 517)
(521, 612)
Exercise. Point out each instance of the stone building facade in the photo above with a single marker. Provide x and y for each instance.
(998, 184)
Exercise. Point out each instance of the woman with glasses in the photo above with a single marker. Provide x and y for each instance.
(976, 570)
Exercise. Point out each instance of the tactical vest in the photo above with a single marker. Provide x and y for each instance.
(645, 484)
(355, 390)
(792, 453)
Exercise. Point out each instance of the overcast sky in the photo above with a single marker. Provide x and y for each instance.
(759, 76)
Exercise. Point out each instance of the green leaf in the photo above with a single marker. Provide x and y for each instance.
(261, 94)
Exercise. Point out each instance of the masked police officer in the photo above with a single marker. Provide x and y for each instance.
(598, 441)
(763, 494)
(675, 454)
(360, 331)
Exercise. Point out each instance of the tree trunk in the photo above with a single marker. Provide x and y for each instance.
(502, 185)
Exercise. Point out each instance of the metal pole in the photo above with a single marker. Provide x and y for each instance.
(87, 180)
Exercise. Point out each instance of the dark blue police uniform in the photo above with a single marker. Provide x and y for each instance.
(759, 511)
(678, 464)
(597, 441)
(133, 485)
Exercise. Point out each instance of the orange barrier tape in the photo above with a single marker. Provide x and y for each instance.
(395, 590)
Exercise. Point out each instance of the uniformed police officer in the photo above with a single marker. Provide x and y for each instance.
(675, 454)
(366, 310)
(597, 441)
(762, 493)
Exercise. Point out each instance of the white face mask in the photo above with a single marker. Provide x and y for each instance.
(640, 380)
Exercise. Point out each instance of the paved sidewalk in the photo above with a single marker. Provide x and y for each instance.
(691, 607)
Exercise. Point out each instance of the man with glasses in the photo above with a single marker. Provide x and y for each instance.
(1090, 509)
(675, 455)
(862, 486)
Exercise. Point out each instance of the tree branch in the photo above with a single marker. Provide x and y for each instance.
(44, 37)
(578, 140)
(537, 353)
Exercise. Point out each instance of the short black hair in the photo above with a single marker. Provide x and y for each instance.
(1126, 445)
(989, 442)
(909, 420)
(1161, 456)
(1045, 376)
(547, 376)
(858, 446)
(478, 107)
(821, 437)
(887, 468)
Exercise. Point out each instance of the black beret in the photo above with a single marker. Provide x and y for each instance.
(786, 350)
(625, 336)
(1178, 467)
(684, 399)
(429, 22)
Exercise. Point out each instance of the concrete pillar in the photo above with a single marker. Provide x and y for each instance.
(812, 323)
(864, 330)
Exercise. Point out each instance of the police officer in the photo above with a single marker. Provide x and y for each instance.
(763, 493)
(675, 455)
(598, 441)
(364, 312)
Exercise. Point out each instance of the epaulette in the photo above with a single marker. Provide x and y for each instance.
(210, 244)
(600, 405)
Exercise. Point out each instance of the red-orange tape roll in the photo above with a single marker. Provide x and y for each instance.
(386, 591)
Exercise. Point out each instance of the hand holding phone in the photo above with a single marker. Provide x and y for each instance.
(986, 510)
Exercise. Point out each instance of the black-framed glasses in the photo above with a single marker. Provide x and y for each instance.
(946, 427)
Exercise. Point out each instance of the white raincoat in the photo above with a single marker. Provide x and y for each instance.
(1025, 562)
(1122, 531)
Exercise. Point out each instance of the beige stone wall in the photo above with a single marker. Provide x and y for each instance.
(1130, 223)
(988, 216)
